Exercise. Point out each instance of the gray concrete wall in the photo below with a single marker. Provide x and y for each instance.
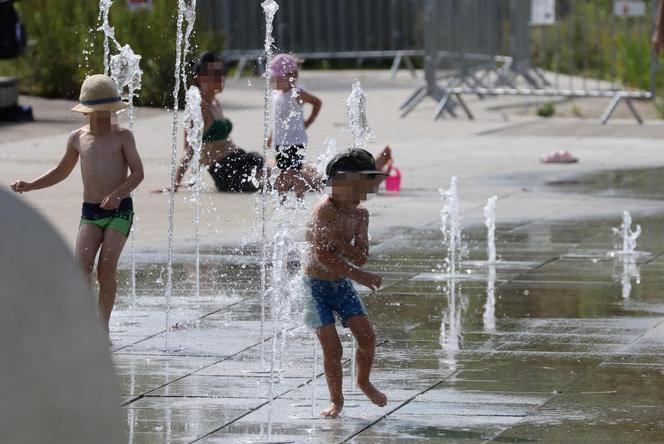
(56, 377)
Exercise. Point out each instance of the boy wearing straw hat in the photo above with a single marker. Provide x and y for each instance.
(108, 153)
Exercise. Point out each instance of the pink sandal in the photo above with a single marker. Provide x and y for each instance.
(559, 157)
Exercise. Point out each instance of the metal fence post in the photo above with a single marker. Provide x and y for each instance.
(654, 62)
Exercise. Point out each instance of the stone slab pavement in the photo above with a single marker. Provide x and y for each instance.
(545, 346)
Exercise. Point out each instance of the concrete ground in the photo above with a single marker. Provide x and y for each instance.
(557, 343)
(498, 153)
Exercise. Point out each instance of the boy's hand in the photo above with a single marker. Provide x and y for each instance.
(21, 186)
(370, 280)
(111, 202)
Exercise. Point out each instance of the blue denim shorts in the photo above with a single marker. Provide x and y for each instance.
(324, 299)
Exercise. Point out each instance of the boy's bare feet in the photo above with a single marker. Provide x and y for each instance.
(374, 395)
(333, 410)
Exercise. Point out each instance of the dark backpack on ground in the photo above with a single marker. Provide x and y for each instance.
(13, 38)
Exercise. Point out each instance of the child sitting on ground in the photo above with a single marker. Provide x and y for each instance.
(289, 131)
(337, 234)
(106, 153)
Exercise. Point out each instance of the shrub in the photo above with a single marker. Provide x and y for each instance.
(65, 46)
(546, 110)
(589, 41)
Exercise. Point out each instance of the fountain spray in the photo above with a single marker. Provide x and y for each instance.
(490, 222)
(126, 71)
(270, 8)
(180, 59)
(489, 315)
(356, 110)
(451, 225)
(628, 235)
(193, 125)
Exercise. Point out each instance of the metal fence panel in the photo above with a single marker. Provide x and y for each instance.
(587, 52)
(480, 47)
(312, 27)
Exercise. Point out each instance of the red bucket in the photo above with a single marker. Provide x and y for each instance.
(393, 181)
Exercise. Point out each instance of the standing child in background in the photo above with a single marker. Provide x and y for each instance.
(289, 130)
(106, 152)
(337, 235)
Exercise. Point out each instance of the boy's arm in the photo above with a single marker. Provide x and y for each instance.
(313, 101)
(112, 201)
(54, 175)
(324, 251)
(357, 253)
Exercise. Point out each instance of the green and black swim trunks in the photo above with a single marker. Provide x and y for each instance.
(119, 219)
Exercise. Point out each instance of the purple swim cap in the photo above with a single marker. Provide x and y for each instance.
(282, 65)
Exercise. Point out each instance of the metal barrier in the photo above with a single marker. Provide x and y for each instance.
(321, 29)
(575, 55)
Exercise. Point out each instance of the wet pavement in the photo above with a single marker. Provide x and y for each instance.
(558, 342)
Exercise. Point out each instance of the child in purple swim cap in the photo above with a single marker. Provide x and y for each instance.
(289, 128)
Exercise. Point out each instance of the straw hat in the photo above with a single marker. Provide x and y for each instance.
(99, 93)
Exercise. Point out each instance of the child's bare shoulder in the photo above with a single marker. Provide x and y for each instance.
(78, 132)
(124, 133)
(324, 210)
(75, 137)
(362, 212)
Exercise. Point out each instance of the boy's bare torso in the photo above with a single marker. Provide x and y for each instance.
(337, 226)
(103, 164)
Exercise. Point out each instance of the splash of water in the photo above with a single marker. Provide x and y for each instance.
(189, 16)
(270, 8)
(324, 159)
(180, 59)
(450, 329)
(451, 226)
(107, 29)
(353, 364)
(271, 389)
(490, 222)
(626, 235)
(356, 110)
(125, 69)
(193, 125)
(489, 315)
(280, 300)
(314, 365)
(630, 270)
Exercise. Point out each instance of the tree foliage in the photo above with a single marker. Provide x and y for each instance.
(65, 46)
